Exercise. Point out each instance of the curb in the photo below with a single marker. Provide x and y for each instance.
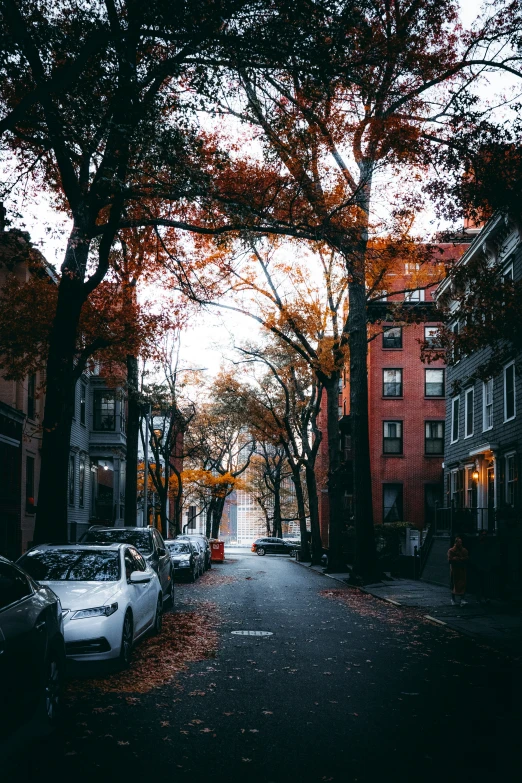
(434, 620)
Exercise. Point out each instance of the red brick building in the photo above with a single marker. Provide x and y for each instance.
(406, 416)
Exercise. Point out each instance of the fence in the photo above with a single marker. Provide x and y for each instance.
(466, 521)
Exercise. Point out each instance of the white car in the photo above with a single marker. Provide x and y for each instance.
(110, 596)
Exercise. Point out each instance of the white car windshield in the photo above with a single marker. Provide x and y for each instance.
(69, 565)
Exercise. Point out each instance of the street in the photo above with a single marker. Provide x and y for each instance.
(346, 688)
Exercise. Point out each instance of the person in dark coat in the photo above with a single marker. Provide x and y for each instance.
(458, 558)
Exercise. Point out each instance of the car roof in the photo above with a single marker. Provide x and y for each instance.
(104, 529)
(79, 546)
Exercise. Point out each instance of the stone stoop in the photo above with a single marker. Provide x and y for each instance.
(436, 569)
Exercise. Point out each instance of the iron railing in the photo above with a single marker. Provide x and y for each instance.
(451, 521)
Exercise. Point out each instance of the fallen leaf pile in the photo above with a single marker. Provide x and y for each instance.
(186, 636)
(213, 579)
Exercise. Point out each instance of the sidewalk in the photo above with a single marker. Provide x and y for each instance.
(497, 623)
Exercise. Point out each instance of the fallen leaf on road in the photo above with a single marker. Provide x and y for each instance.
(267, 712)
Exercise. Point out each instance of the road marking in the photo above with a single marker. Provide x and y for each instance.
(252, 633)
(434, 619)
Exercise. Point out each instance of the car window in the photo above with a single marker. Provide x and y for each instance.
(13, 585)
(130, 565)
(71, 565)
(178, 547)
(138, 538)
(158, 540)
(139, 561)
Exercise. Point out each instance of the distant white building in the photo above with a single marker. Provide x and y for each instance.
(251, 522)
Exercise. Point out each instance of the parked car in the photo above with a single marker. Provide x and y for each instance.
(186, 559)
(203, 540)
(272, 546)
(149, 542)
(110, 596)
(32, 651)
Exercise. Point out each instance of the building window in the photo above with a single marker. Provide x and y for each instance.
(392, 338)
(392, 437)
(457, 488)
(81, 481)
(468, 401)
(471, 488)
(31, 396)
(487, 400)
(104, 411)
(434, 437)
(392, 503)
(71, 480)
(455, 411)
(511, 479)
(83, 403)
(29, 485)
(432, 337)
(509, 392)
(414, 296)
(434, 383)
(392, 383)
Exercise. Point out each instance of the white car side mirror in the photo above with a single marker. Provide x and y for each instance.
(138, 577)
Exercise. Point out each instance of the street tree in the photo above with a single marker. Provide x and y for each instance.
(348, 122)
(94, 111)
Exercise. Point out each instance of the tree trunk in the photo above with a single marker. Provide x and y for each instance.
(365, 565)
(133, 432)
(304, 553)
(216, 516)
(336, 560)
(277, 530)
(208, 521)
(51, 515)
(313, 505)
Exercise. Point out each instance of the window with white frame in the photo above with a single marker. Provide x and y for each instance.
(455, 411)
(414, 296)
(471, 488)
(509, 392)
(468, 413)
(487, 405)
(511, 479)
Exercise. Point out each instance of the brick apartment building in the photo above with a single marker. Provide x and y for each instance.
(407, 402)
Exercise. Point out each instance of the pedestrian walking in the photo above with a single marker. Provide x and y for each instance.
(457, 558)
(482, 564)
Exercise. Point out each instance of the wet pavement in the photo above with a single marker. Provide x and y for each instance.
(268, 672)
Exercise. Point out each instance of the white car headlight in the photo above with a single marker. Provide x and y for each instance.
(98, 611)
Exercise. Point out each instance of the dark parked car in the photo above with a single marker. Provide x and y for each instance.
(32, 649)
(148, 541)
(274, 546)
(186, 559)
(203, 541)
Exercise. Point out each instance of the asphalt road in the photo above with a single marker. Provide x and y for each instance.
(347, 688)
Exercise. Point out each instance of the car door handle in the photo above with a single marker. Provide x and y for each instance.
(39, 626)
